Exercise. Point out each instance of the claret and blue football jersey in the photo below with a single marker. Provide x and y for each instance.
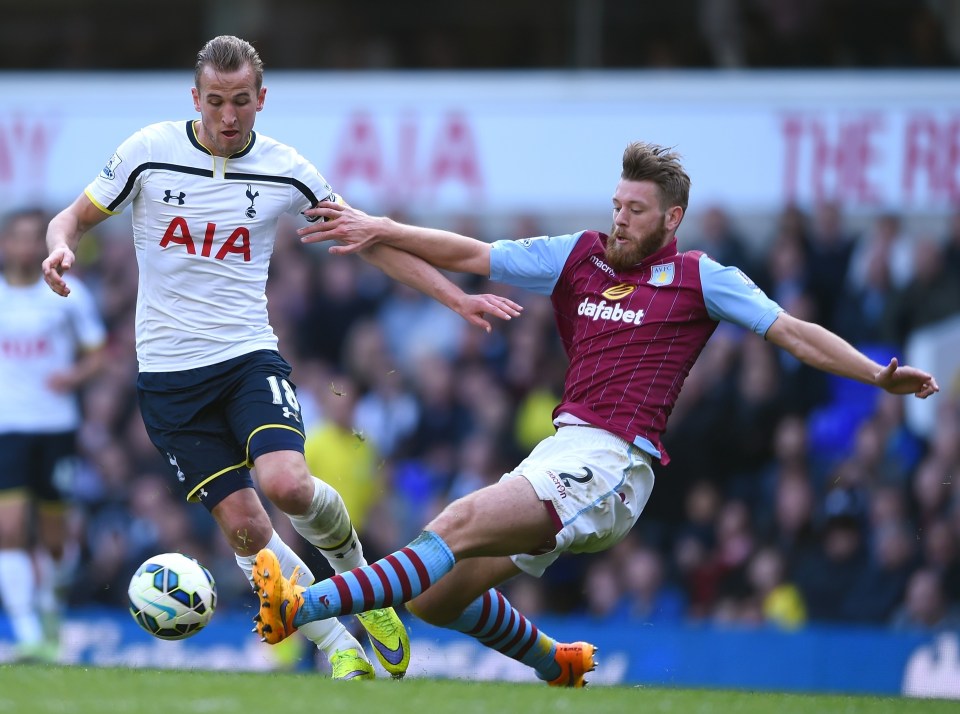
(631, 336)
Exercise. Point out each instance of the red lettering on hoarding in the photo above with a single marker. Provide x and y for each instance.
(455, 154)
(360, 152)
(24, 149)
(403, 170)
(932, 158)
(831, 160)
(792, 134)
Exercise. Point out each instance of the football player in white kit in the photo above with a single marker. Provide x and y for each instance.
(215, 394)
(49, 347)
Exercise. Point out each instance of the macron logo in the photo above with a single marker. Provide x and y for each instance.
(602, 311)
(603, 266)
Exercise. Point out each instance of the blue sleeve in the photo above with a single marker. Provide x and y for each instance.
(730, 295)
(534, 264)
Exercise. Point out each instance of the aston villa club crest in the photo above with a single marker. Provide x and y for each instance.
(661, 275)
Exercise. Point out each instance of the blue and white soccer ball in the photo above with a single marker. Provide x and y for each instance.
(172, 596)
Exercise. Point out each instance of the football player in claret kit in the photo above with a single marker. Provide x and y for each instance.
(215, 394)
(634, 314)
(49, 348)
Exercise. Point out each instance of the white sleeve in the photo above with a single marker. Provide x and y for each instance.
(118, 183)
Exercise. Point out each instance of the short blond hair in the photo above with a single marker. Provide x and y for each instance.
(227, 53)
(649, 162)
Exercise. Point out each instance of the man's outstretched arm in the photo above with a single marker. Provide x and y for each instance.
(418, 274)
(355, 231)
(818, 347)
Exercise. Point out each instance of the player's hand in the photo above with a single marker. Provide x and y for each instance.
(61, 382)
(473, 308)
(57, 263)
(906, 380)
(351, 228)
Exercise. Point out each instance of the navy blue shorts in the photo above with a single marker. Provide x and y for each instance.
(210, 423)
(41, 464)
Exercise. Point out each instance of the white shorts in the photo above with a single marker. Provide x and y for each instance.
(597, 484)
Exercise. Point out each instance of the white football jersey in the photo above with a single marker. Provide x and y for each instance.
(204, 228)
(40, 334)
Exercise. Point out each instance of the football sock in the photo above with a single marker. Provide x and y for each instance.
(18, 593)
(497, 624)
(326, 525)
(392, 580)
(53, 582)
(324, 634)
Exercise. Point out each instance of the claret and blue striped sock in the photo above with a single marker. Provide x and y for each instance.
(392, 580)
(494, 622)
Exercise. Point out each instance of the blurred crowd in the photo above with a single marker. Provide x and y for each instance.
(793, 497)
(496, 34)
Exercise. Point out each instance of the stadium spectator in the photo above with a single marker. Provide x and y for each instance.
(829, 246)
(721, 241)
(931, 294)
(926, 606)
(826, 575)
(334, 305)
(622, 301)
(942, 553)
(887, 237)
(780, 601)
(648, 594)
(875, 596)
(342, 455)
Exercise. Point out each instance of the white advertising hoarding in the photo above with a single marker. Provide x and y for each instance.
(547, 142)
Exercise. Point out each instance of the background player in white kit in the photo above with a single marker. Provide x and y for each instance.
(49, 348)
(215, 394)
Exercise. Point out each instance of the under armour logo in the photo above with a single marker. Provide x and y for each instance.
(203, 493)
(168, 196)
(251, 211)
(290, 414)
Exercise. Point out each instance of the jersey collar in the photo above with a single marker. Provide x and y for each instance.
(192, 136)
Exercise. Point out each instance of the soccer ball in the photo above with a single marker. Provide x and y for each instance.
(172, 596)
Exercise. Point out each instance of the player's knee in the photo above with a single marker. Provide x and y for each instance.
(455, 524)
(286, 482)
(13, 528)
(245, 525)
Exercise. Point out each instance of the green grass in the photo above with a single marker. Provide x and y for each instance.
(87, 690)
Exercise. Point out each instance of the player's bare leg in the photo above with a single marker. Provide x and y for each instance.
(318, 514)
(485, 526)
(247, 528)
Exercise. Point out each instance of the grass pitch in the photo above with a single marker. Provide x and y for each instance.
(86, 690)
